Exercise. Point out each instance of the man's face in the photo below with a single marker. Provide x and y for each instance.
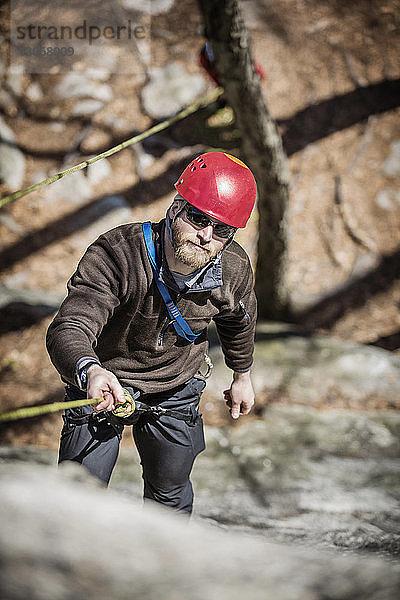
(193, 246)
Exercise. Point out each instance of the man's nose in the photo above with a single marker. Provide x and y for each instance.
(206, 233)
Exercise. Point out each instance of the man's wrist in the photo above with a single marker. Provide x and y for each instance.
(241, 375)
(81, 370)
(92, 366)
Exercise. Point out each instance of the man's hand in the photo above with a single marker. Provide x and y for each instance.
(101, 382)
(240, 396)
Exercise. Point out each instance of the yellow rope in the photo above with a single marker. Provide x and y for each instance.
(35, 411)
(137, 138)
(121, 410)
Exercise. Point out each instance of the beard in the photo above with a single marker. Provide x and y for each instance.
(188, 252)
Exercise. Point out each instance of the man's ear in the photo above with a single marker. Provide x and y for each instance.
(174, 209)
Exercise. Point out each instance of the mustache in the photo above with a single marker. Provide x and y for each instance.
(181, 240)
(205, 246)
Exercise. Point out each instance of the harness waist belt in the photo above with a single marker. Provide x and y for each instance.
(188, 413)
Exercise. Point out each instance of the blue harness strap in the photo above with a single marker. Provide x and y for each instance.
(181, 326)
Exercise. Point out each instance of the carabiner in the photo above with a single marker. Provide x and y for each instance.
(210, 366)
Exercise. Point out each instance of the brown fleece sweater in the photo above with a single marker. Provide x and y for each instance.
(114, 312)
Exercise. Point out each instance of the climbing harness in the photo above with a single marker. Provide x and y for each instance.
(129, 413)
(125, 413)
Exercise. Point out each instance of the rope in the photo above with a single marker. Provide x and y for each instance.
(122, 409)
(189, 110)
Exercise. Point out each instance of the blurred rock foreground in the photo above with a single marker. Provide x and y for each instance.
(283, 483)
(62, 539)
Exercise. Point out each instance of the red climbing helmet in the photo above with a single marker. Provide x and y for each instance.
(221, 186)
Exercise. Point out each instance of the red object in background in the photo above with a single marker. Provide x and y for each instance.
(206, 60)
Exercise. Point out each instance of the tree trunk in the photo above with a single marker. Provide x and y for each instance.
(261, 148)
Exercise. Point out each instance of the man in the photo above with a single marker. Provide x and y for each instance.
(136, 316)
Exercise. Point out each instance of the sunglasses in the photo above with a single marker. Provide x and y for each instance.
(201, 220)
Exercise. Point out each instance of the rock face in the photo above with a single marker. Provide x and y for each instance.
(170, 88)
(77, 85)
(153, 7)
(63, 539)
(317, 478)
(391, 166)
(318, 371)
(12, 161)
(323, 479)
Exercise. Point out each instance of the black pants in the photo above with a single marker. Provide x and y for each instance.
(167, 446)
